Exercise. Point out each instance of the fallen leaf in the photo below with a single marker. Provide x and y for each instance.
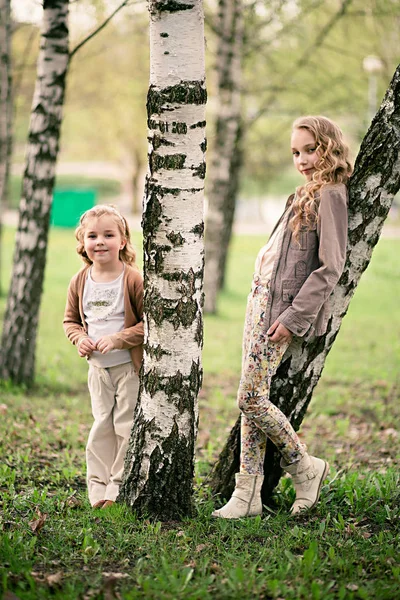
(37, 524)
(201, 547)
(191, 564)
(73, 502)
(54, 579)
(3, 410)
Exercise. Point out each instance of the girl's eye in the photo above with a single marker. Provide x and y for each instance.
(91, 235)
(311, 150)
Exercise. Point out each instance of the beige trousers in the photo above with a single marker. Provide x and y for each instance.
(113, 393)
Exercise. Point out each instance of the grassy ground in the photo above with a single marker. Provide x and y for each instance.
(52, 545)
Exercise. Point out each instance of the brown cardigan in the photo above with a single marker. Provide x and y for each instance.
(131, 337)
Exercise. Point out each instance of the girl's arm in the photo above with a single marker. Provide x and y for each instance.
(72, 323)
(332, 234)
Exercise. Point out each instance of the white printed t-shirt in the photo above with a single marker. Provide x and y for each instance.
(103, 307)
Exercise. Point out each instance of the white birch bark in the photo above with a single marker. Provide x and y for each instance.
(374, 183)
(224, 171)
(160, 460)
(20, 324)
(5, 108)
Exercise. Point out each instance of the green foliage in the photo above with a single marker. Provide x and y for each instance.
(289, 70)
(53, 545)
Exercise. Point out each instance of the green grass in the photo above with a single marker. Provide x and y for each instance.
(347, 549)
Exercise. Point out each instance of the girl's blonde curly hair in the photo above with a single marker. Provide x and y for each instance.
(332, 166)
(127, 254)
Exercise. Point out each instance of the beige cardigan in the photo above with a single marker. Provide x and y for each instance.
(131, 337)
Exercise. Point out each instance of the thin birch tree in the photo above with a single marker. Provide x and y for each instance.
(225, 159)
(17, 354)
(5, 109)
(159, 466)
(374, 183)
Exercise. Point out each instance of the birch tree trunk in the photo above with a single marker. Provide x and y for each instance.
(5, 111)
(226, 158)
(160, 460)
(375, 181)
(21, 319)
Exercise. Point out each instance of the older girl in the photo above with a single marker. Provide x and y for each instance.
(295, 273)
(103, 318)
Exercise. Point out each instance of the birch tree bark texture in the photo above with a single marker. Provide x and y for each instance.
(226, 156)
(5, 109)
(17, 355)
(375, 181)
(159, 465)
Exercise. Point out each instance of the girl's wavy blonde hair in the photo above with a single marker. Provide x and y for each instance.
(127, 254)
(332, 166)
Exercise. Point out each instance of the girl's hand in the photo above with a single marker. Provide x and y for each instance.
(105, 344)
(278, 333)
(86, 347)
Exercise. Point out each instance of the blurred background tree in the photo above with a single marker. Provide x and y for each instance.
(291, 65)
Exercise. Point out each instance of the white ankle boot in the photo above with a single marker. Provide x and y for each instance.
(308, 475)
(245, 500)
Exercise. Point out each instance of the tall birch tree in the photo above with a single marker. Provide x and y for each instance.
(225, 159)
(159, 465)
(375, 181)
(5, 108)
(17, 355)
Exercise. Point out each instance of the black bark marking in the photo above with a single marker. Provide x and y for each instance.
(156, 351)
(189, 92)
(198, 229)
(176, 239)
(180, 128)
(167, 161)
(157, 141)
(198, 124)
(200, 171)
(158, 6)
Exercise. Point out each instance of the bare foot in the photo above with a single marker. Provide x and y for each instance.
(107, 503)
(98, 504)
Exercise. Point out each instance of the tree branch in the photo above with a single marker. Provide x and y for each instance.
(304, 58)
(99, 28)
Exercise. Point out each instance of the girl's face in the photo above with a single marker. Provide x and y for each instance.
(305, 152)
(103, 241)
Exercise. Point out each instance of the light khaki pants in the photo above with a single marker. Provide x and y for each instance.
(113, 393)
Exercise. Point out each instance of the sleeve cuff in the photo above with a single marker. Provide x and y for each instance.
(293, 322)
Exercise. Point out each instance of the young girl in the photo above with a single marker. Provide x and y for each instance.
(295, 273)
(103, 318)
